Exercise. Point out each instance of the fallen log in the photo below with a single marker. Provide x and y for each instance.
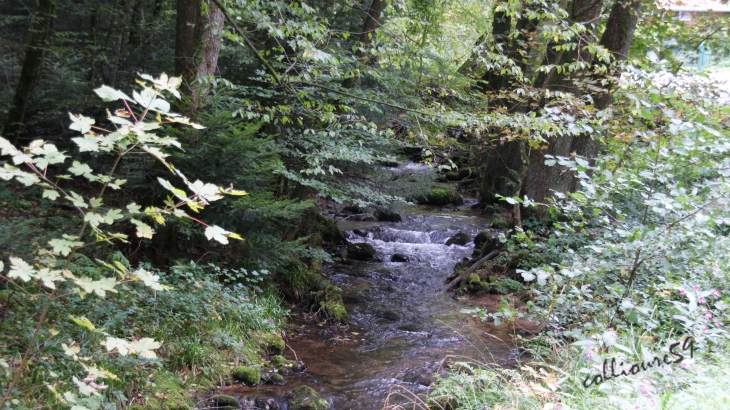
(470, 270)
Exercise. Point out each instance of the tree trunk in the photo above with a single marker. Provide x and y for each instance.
(31, 72)
(188, 13)
(197, 46)
(617, 39)
(207, 41)
(372, 22)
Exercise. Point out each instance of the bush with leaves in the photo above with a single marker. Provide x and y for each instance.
(55, 274)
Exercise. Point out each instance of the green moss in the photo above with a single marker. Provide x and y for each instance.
(442, 197)
(335, 310)
(276, 378)
(278, 360)
(305, 398)
(169, 386)
(225, 402)
(274, 344)
(246, 374)
(506, 286)
(329, 231)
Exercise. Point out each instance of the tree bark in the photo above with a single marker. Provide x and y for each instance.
(197, 46)
(207, 41)
(541, 180)
(372, 22)
(32, 70)
(188, 13)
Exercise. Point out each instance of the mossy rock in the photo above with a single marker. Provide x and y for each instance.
(459, 238)
(306, 398)
(274, 344)
(335, 310)
(482, 238)
(276, 378)
(277, 360)
(360, 251)
(489, 247)
(223, 401)
(247, 375)
(386, 215)
(442, 197)
(329, 231)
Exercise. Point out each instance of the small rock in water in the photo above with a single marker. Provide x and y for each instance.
(398, 257)
(360, 232)
(362, 217)
(383, 214)
(390, 315)
(460, 239)
(266, 403)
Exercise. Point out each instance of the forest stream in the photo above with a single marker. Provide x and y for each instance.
(402, 329)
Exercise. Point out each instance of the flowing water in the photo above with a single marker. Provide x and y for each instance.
(402, 329)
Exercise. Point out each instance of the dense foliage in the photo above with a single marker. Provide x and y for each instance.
(582, 122)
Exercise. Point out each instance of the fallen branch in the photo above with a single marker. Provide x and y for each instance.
(471, 269)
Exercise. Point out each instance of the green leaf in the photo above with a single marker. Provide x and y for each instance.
(19, 269)
(86, 144)
(51, 194)
(217, 233)
(78, 168)
(49, 277)
(84, 322)
(110, 94)
(150, 280)
(144, 347)
(81, 123)
(143, 230)
(94, 219)
(63, 246)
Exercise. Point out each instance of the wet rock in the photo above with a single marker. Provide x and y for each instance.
(247, 375)
(386, 215)
(481, 239)
(360, 232)
(305, 398)
(360, 251)
(353, 209)
(460, 238)
(329, 231)
(398, 257)
(226, 402)
(266, 403)
(409, 328)
(390, 315)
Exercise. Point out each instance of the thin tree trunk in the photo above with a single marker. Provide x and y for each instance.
(372, 22)
(30, 74)
(207, 42)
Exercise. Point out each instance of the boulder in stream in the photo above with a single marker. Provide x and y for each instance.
(306, 398)
(223, 401)
(441, 197)
(266, 403)
(460, 238)
(399, 257)
(481, 239)
(390, 315)
(361, 251)
(384, 214)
